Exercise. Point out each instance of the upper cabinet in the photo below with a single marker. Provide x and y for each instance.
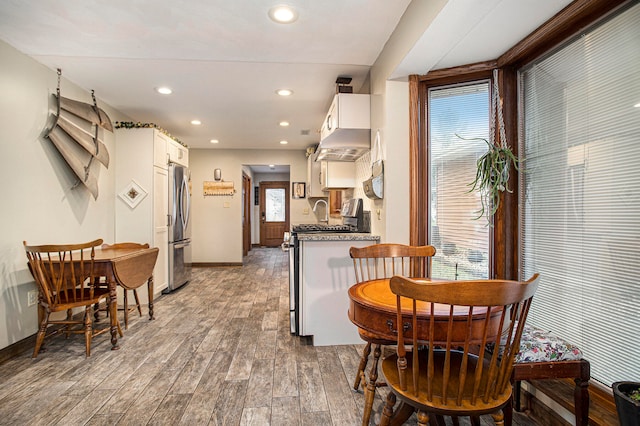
(337, 175)
(160, 144)
(166, 150)
(177, 153)
(323, 176)
(347, 112)
(314, 185)
(346, 131)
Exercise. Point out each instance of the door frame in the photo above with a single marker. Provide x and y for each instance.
(246, 214)
(273, 184)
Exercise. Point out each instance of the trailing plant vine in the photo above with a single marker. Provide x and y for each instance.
(493, 168)
(492, 177)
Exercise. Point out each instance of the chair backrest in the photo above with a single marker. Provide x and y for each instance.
(473, 331)
(63, 272)
(379, 261)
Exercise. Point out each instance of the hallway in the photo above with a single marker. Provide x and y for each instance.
(218, 353)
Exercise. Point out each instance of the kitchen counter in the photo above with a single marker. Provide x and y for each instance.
(337, 236)
(326, 273)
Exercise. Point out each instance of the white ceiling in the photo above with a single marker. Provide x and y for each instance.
(224, 59)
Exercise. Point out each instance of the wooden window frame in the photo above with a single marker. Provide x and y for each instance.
(504, 245)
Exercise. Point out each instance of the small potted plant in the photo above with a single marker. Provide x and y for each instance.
(627, 397)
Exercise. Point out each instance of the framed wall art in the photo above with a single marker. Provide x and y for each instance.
(299, 190)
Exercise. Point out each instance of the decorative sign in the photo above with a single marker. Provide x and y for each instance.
(217, 188)
(132, 194)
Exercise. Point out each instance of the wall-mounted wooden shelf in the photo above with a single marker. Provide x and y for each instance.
(221, 188)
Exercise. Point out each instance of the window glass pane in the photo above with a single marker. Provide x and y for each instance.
(461, 240)
(580, 226)
(275, 204)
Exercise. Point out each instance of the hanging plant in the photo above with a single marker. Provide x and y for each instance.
(492, 177)
(492, 168)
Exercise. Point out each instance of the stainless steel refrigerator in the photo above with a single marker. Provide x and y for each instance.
(179, 227)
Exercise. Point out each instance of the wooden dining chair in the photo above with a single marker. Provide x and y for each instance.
(65, 276)
(126, 309)
(379, 261)
(464, 366)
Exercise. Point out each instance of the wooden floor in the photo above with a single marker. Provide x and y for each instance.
(219, 353)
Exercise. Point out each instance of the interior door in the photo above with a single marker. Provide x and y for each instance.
(246, 214)
(274, 212)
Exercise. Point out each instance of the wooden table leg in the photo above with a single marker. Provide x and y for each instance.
(150, 291)
(113, 313)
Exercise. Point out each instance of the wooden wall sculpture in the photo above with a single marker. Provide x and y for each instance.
(75, 133)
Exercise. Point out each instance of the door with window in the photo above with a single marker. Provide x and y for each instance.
(274, 212)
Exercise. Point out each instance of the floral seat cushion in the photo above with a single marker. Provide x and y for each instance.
(537, 345)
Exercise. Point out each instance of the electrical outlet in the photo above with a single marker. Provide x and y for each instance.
(32, 297)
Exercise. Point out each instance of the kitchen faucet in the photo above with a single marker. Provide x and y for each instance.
(326, 210)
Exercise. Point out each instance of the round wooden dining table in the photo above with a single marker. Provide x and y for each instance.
(373, 308)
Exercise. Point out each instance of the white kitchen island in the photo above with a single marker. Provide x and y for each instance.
(326, 273)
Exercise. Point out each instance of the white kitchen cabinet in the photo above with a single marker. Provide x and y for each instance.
(347, 111)
(160, 146)
(337, 175)
(142, 191)
(314, 185)
(177, 153)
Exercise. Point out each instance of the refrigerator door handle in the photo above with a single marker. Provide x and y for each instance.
(174, 207)
(184, 195)
(182, 245)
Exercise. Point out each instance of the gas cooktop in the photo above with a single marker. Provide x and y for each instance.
(320, 227)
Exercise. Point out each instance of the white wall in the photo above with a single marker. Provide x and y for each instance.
(390, 114)
(39, 205)
(217, 221)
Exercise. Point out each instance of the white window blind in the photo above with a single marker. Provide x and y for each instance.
(462, 242)
(580, 194)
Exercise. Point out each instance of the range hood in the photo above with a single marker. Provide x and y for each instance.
(346, 132)
(355, 144)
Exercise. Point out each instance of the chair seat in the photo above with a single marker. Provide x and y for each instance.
(537, 345)
(437, 404)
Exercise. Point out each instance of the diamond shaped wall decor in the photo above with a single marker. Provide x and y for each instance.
(132, 194)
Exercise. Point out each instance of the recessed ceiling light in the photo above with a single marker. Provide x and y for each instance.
(214, 141)
(283, 142)
(196, 122)
(283, 14)
(284, 123)
(164, 90)
(284, 92)
(272, 166)
(637, 105)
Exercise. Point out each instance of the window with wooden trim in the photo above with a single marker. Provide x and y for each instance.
(580, 193)
(458, 120)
